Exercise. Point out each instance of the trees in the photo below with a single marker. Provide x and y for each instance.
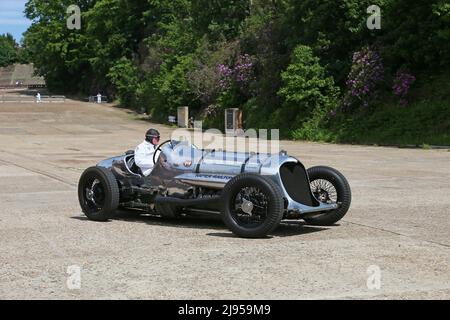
(333, 29)
(305, 84)
(156, 55)
(8, 50)
(114, 30)
(59, 54)
(11, 52)
(219, 18)
(308, 93)
(419, 34)
(124, 76)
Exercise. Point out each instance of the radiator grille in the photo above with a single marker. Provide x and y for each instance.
(296, 183)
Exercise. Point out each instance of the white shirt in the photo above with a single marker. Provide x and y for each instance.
(143, 156)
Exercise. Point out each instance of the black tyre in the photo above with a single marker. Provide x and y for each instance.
(98, 193)
(252, 205)
(167, 210)
(329, 186)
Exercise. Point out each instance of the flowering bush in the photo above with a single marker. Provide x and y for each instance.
(366, 73)
(243, 69)
(402, 84)
(226, 74)
(240, 74)
(212, 110)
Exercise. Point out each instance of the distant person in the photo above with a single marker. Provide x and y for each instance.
(38, 97)
(99, 98)
(143, 154)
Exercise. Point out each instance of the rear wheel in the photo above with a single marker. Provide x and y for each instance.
(252, 206)
(329, 186)
(98, 193)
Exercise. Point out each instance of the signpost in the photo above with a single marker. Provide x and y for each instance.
(233, 121)
(183, 117)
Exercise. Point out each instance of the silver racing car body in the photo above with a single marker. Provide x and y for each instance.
(252, 192)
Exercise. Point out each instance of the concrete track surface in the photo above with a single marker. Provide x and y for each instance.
(398, 223)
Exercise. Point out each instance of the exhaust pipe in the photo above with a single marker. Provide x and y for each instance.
(208, 202)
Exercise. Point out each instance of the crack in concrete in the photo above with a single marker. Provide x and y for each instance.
(396, 233)
(43, 173)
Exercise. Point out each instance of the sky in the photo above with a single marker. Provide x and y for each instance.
(12, 19)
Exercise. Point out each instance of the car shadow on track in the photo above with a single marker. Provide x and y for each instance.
(286, 228)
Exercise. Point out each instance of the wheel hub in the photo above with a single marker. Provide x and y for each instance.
(323, 195)
(250, 206)
(247, 206)
(90, 193)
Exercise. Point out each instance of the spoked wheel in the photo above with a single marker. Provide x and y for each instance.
(253, 205)
(250, 207)
(324, 191)
(98, 193)
(329, 186)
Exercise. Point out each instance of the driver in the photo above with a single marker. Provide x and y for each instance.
(143, 154)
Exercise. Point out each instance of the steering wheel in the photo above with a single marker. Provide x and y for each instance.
(159, 149)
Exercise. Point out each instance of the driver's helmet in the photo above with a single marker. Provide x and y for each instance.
(152, 134)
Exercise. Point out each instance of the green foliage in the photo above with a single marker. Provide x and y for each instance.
(8, 50)
(418, 34)
(172, 88)
(334, 29)
(157, 55)
(307, 92)
(123, 76)
(219, 18)
(424, 121)
(391, 124)
(59, 54)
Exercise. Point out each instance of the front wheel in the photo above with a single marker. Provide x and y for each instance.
(253, 205)
(329, 186)
(98, 193)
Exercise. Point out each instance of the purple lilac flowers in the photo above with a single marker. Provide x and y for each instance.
(402, 84)
(366, 73)
(240, 74)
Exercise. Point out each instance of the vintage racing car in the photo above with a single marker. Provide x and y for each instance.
(252, 192)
